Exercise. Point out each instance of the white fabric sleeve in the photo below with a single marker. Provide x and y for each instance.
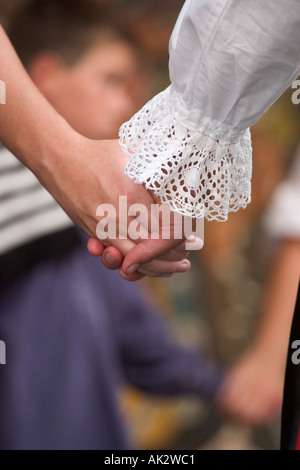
(229, 61)
(282, 218)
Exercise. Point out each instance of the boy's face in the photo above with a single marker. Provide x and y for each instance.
(98, 93)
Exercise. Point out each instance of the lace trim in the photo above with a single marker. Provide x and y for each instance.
(195, 171)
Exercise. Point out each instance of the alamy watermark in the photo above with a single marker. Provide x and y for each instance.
(2, 353)
(296, 354)
(135, 222)
(2, 92)
(296, 94)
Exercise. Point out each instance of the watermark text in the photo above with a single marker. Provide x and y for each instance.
(2, 92)
(136, 223)
(2, 353)
(296, 94)
(296, 354)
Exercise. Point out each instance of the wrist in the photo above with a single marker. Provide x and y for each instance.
(268, 353)
(43, 146)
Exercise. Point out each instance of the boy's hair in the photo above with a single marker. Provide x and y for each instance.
(67, 27)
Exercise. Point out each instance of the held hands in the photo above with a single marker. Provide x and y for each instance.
(93, 174)
(162, 255)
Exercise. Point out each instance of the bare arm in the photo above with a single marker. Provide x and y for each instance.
(77, 171)
(253, 390)
(279, 301)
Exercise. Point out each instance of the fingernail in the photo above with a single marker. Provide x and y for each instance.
(110, 259)
(196, 244)
(184, 266)
(191, 238)
(132, 269)
(200, 243)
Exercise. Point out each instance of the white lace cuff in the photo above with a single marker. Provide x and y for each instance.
(201, 170)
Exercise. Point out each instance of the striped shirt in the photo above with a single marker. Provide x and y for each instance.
(27, 210)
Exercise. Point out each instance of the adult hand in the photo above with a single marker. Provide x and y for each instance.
(153, 257)
(113, 259)
(93, 174)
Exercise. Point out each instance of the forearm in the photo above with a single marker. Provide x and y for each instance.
(278, 303)
(41, 139)
(30, 127)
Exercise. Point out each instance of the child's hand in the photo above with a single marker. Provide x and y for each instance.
(253, 391)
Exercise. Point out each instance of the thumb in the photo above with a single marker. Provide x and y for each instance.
(147, 251)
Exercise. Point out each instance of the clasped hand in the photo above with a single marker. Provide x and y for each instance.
(159, 255)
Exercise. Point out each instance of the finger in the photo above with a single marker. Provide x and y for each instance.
(136, 276)
(112, 258)
(180, 252)
(95, 247)
(160, 268)
(145, 252)
(123, 246)
(174, 255)
(193, 243)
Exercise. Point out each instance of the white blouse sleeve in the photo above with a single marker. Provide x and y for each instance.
(229, 61)
(282, 219)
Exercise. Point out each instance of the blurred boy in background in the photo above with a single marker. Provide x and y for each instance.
(74, 332)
